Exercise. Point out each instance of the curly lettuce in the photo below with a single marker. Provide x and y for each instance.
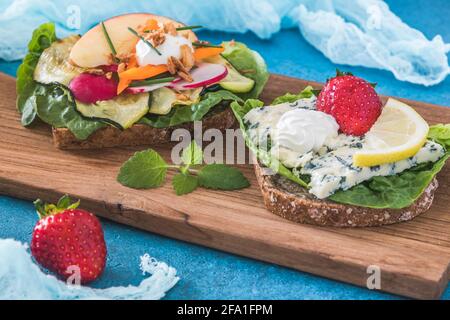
(394, 192)
(42, 38)
(51, 103)
(249, 63)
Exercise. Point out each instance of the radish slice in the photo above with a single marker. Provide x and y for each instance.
(110, 68)
(204, 75)
(136, 90)
(90, 88)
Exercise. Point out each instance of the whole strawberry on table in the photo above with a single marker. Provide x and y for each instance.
(67, 240)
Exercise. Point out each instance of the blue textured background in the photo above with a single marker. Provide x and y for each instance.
(210, 274)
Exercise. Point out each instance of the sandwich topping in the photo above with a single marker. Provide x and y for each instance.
(134, 68)
(321, 153)
(303, 130)
(167, 45)
(340, 146)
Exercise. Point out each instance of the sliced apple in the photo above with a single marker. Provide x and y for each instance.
(92, 50)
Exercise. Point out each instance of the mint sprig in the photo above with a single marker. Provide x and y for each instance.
(184, 183)
(147, 169)
(222, 177)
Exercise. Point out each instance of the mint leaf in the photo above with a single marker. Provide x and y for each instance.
(192, 154)
(223, 177)
(184, 183)
(144, 170)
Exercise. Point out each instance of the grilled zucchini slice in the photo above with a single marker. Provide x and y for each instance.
(54, 65)
(122, 111)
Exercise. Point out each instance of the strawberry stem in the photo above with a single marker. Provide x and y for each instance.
(39, 206)
(47, 209)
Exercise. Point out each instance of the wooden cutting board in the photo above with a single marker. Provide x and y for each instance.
(413, 257)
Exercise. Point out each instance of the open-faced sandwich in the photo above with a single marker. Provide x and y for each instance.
(339, 158)
(132, 80)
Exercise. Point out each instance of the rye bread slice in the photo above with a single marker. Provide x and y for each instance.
(138, 134)
(293, 202)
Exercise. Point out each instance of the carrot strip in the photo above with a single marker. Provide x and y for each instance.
(122, 85)
(142, 73)
(203, 53)
(132, 63)
(151, 25)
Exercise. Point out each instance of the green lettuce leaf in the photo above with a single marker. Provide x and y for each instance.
(56, 106)
(52, 103)
(265, 157)
(195, 112)
(395, 192)
(42, 38)
(401, 190)
(308, 92)
(440, 133)
(249, 63)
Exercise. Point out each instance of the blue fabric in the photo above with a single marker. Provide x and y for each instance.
(210, 274)
(358, 33)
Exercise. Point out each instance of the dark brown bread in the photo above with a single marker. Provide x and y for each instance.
(290, 201)
(136, 135)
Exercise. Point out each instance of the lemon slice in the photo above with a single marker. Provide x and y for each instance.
(398, 134)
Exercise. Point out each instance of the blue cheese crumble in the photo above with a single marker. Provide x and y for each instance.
(334, 170)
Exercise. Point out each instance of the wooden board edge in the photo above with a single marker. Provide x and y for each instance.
(183, 229)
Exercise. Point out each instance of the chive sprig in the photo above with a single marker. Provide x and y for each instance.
(188, 28)
(143, 39)
(110, 44)
(199, 44)
(151, 81)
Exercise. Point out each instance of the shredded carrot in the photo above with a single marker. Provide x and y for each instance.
(132, 63)
(151, 25)
(203, 53)
(141, 73)
(123, 84)
(138, 73)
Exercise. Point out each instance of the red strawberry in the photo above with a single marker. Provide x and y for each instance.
(68, 237)
(352, 101)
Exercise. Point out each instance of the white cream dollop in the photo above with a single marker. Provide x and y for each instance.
(302, 130)
(169, 48)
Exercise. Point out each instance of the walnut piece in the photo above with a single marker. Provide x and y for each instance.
(96, 71)
(121, 67)
(182, 97)
(171, 65)
(156, 37)
(176, 67)
(170, 28)
(187, 57)
(185, 76)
